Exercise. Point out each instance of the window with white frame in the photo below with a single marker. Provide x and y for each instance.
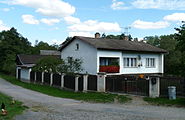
(130, 62)
(150, 62)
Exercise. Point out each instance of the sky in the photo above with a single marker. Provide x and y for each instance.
(52, 21)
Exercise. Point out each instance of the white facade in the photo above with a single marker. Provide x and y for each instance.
(85, 52)
(91, 58)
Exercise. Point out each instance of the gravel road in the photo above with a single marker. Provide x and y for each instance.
(44, 107)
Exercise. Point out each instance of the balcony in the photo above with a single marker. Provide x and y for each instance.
(109, 69)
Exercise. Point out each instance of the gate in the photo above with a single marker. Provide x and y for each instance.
(80, 83)
(92, 82)
(127, 84)
(32, 76)
(19, 74)
(39, 77)
(69, 82)
(57, 80)
(46, 78)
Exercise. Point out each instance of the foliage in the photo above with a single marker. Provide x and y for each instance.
(13, 109)
(70, 66)
(12, 43)
(56, 92)
(52, 64)
(172, 58)
(180, 36)
(42, 46)
(47, 64)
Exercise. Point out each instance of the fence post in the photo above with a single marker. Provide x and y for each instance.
(62, 80)
(154, 86)
(76, 82)
(101, 82)
(51, 79)
(42, 78)
(85, 82)
(35, 77)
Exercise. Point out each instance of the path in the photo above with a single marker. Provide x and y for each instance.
(44, 107)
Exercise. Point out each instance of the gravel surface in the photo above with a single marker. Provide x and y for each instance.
(44, 107)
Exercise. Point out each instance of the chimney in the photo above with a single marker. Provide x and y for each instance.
(97, 35)
(126, 38)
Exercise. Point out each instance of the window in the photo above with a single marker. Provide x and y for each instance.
(77, 47)
(104, 61)
(150, 62)
(130, 62)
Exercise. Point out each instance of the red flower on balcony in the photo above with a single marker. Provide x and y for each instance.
(109, 69)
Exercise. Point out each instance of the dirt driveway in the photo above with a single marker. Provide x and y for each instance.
(44, 107)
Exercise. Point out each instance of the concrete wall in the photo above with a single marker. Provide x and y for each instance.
(86, 52)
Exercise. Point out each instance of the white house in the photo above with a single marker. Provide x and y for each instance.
(114, 56)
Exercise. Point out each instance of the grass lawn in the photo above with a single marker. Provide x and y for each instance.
(90, 96)
(13, 109)
(180, 102)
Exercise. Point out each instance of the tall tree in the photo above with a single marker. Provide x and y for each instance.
(180, 37)
(12, 43)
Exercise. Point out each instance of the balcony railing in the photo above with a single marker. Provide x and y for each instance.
(109, 69)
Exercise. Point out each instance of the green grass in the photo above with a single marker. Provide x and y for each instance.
(13, 109)
(89, 96)
(180, 102)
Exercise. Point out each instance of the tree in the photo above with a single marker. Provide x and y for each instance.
(11, 44)
(180, 37)
(42, 46)
(70, 66)
(52, 64)
(48, 64)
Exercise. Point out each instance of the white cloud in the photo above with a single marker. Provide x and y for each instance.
(72, 20)
(29, 19)
(54, 8)
(149, 25)
(49, 21)
(95, 26)
(118, 5)
(85, 34)
(160, 4)
(175, 17)
(3, 26)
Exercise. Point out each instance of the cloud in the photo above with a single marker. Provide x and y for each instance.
(159, 4)
(85, 34)
(3, 26)
(149, 25)
(95, 26)
(175, 17)
(29, 19)
(72, 20)
(118, 5)
(49, 21)
(53, 8)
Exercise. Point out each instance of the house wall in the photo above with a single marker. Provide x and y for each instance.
(143, 69)
(25, 73)
(159, 59)
(86, 52)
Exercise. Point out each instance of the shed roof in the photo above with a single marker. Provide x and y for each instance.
(30, 59)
